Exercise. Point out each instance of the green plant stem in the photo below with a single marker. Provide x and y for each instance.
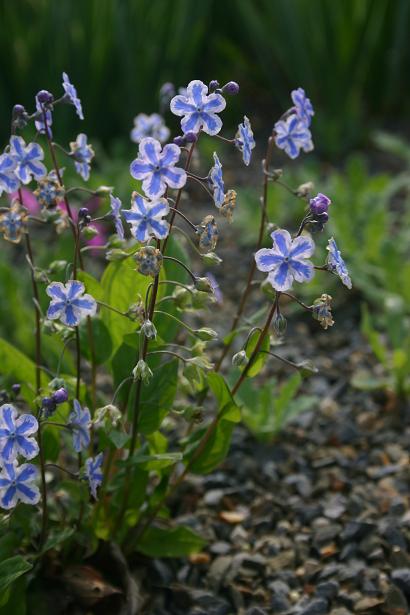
(252, 270)
(143, 354)
(78, 364)
(138, 532)
(44, 515)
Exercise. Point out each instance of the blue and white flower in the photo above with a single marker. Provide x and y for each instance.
(15, 434)
(303, 106)
(116, 205)
(149, 126)
(82, 153)
(292, 135)
(49, 191)
(71, 94)
(13, 222)
(198, 109)
(9, 182)
(69, 303)
(28, 159)
(80, 422)
(244, 140)
(336, 263)
(39, 123)
(147, 218)
(216, 181)
(17, 484)
(94, 473)
(156, 167)
(286, 260)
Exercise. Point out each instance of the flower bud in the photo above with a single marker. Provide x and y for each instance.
(16, 388)
(57, 383)
(322, 311)
(304, 189)
(204, 285)
(83, 212)
(40, 275)
(319, 204)
(149, 261)
(210, 258)
(206, 334)
(213, 85)
(280, 325)
(104, 190)
(44, 97)
(239, 358)
(18, 111)
(142, 372)
(19, 117)
(89, 232)
(307, 368)
(116, 254)
(275, 174)
(149, 330)
(231, 88)
(191, 137)
(48, 406)
(57, 266)
(180, 141)
(208, 234)
(200, 361)
(60, 396)
(109, 414)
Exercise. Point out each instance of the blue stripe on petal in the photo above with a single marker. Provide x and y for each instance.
(54, 309)
(198, 90)
(9, 498)
(175, 177)
(170, 155)
(192, 122)
(9, 450)
(74, 288)
(280, 277)
(27, 447)
(132, 216)
(26, 424)
(69, 317)
(159, 209)
(141, 231)
(302, 247)
(282, 240)
(139, 204)
(211, 123)
(267, 259)
(8, 416)
(56, 290)
(139, 168)
(160, 229)
(181, 106)
(84, 303)
(150, 149)
(153, 186)
(27, 472)
(28, 495)
(302, 271)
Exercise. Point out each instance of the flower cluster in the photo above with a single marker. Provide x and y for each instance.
(149, 126)
(17, 483)
(292, 132)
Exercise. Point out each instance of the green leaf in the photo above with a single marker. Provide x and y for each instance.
(286, 393)
(122, 364)
(57, 539)
(101, 338)
(261, 358)
(153, 462)
(174, 542)
(11, 569)
(92, 285)
(374, 338)
(118, 438)
(16, 367)
(217, 446)
(51, 442)
(122, 286)
(158, 396)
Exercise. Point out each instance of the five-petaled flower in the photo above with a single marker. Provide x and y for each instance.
(8, 180)
(82, 153)
(94, 473)
(17, 484)
(336, 263)
(199, 109)
(216, 181)
(71, 94)
(156, 167)
(49, 191)
(149, 126)
(244, 140)
(13, 222)
(116, 205)
(286, 260)
(147, 218)
(303, 106)
(15, 434)
(292, 135)
(28, 159)
(80, 422)
(69, 303)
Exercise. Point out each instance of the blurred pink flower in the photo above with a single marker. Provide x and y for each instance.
(29, 200)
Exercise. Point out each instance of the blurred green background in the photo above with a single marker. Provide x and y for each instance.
(351, 56)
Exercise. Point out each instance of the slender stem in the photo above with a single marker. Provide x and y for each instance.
(252, 269)
(306, 307)
(113, 309)
(184, 217)
(44, 516)
(55, 465)
(201, 183)
(176, 260)
(168, 352)
(78, 353)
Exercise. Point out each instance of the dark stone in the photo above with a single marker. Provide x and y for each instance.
(328, 589)
(318, 606)
(279, 603)
(401, 578)
(356, 530)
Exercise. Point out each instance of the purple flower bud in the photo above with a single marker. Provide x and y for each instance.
(231, 88)
(319, 204)
(18, 110)
(44, 97)
(180, 141)
(191, 137)
(47, 402)
(16, 389)
(83, 212)
(213, 85)
(60, 396)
